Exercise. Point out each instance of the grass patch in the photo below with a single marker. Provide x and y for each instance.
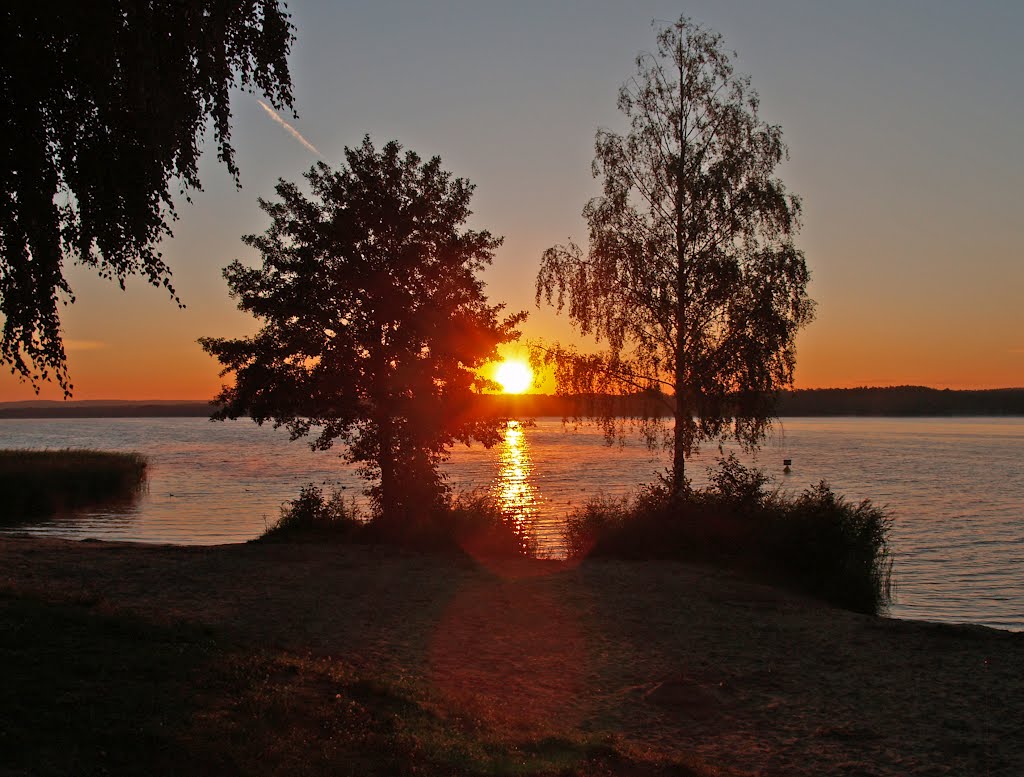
(41, 483)
(815, 542)
(471, 522)
(88, 694)
(87, 691)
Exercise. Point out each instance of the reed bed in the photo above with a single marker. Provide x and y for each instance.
(41, 483)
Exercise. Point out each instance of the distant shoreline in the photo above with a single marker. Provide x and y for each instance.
(897, 401)
(105, 409)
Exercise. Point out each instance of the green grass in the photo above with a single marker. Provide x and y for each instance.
(40, 483)
(815, 542)
(90, 692)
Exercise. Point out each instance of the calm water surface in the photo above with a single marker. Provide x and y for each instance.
(955, 486)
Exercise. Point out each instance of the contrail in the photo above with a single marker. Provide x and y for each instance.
(294, 132)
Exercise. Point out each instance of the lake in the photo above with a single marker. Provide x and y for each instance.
(955, 486)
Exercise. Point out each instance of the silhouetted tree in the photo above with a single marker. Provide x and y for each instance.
(103, 105)
(374, 321)
(691, 276)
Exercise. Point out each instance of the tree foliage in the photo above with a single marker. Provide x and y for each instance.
(374, 320)
(104, 105)
(691, 277)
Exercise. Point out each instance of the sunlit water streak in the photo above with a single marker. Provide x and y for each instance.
(955, 486)
(513, 487)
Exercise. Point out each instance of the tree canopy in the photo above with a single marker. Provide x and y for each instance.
(104, 106)
(374, 321)
(691, 277)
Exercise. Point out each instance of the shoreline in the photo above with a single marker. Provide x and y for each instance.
(670, 659)
(16, 533)
(863, 402)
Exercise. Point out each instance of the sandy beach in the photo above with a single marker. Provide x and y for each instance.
(676, 661)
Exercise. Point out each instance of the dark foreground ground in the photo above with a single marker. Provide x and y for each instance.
(304, 659)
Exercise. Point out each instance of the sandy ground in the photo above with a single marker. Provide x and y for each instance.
(677, 660)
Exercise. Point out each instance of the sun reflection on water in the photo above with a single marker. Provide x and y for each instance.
(514, 486)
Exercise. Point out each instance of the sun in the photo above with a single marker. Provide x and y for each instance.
(514, 376)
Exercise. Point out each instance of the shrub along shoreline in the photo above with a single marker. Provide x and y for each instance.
(815, 543)
(41, 483)
(471, 522)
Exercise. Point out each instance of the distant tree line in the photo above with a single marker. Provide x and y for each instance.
(890, 401)
(43, 409)
(901, 401)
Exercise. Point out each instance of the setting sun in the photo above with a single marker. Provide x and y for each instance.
(514, 376)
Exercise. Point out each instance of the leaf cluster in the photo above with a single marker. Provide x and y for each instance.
(374, 319)
(104, 108)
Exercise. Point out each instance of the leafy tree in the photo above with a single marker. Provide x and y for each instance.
(691, 276)
(104, 104)
(374, 321)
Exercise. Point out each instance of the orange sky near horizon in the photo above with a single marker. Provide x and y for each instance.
(902, 122)
(170, 365)
(137, 345)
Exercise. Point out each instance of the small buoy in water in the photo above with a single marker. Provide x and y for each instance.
(785, 465)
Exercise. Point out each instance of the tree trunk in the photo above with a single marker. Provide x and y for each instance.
(683, 405)
(386, 462)
(679, 448)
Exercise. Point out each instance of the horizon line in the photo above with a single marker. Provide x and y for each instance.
(210, 400)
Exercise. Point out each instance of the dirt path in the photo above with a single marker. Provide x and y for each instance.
(671, 658)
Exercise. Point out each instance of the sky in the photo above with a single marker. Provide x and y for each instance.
(903, 119)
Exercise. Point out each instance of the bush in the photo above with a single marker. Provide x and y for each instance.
(40, 483)
(471, 522)
(311, 516)
(600, 520)
(738, 486)
(834, 549)
(477, 523)
(815, 542)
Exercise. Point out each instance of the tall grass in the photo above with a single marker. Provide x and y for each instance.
(815, 542)
(40, 483)
(470, 522)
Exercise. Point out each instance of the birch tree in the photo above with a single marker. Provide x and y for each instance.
(691, 278)
(104, 107)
